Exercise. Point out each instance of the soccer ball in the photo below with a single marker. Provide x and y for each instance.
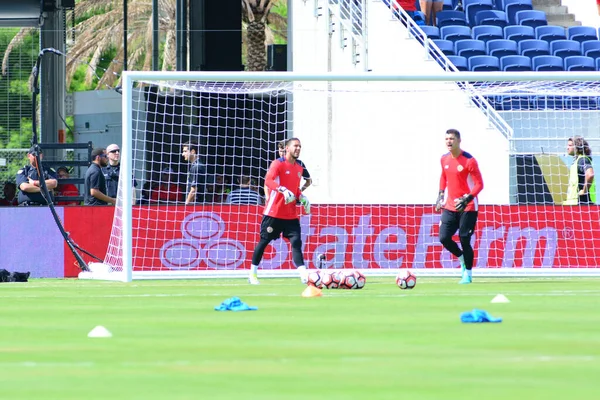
(348, 280)
(314, 279)
(406, 280)
(360, 279)
(330, 280)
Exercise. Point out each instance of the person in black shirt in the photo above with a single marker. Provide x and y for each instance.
(112, 170)
(28, 182)
(196, 177)
(95, 183)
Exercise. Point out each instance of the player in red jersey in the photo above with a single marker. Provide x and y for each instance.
(280, 215)
(462, 178)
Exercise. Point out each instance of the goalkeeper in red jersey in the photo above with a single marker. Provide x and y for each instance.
(462, 179)
(280, 215)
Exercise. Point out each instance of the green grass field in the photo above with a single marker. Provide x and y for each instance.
(376, 343)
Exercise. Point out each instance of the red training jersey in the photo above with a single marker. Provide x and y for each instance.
(283, 173)
(407, 5)
(460, 176)
(67, 189)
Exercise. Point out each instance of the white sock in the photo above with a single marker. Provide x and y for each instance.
(302, 270)
(253, 269)
(461, 259)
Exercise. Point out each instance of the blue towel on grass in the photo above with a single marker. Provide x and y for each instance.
(478, 316)
(234, 304)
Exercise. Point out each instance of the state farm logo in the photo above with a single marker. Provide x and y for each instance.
(202, 242)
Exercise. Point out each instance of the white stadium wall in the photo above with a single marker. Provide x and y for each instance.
(373, 142)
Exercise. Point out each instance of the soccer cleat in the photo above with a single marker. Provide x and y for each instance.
(466, 279)
(304, 279)
(253, 280)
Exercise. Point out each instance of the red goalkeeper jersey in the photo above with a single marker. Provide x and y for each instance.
(460, 176)
(283, 173)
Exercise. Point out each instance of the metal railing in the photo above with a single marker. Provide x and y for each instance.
(432, 51)
(351, 16)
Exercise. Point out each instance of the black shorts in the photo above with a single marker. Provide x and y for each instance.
(463, 222)
(271, 228)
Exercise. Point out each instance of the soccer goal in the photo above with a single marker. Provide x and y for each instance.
(372, 145)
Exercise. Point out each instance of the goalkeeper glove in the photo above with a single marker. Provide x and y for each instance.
(288, 196)
(439, 204)
(305, 203)
(461, 203)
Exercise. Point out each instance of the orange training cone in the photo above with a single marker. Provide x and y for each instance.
(312, 291)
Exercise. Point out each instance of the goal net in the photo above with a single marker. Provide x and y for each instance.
(372, 145)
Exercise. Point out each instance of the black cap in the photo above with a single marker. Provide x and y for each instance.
(32, 150)
(63, 168)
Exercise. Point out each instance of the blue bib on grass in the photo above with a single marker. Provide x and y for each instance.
(477, 316)
(234, 304)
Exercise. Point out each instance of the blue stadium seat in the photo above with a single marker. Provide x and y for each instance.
(501, 48)
(579, 63)
(581, 33)
(505, 3)
(565, 48)
(597, 64)
(446, 46)
(432, 32)
(515, 63)
(518, 33)
(472, 7)
(487, 32)
(547, 63)
(533, 48)
(533, 18)
(459, 62)
(484, 63)
(419, 18)
(591, 48)
(550, 33)
(455, 32)
(469, 48)
(548, 102)
(445, 18)
(511, 10)
(491, 17)
(447, 5)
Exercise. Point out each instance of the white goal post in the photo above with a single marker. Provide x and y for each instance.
(372, 144)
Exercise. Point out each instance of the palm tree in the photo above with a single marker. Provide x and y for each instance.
(256, 14)
(98, 31)
(101, 32)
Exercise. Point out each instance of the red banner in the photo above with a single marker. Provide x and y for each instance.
(352, 236)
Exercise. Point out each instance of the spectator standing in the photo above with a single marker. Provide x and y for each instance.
(95, 182)
(245, 194)
(196, 177)
(10, 195)
(28, 182)
(66, 189)
(430, 8)
(112, 170)
(409, 6)
(582, 187)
